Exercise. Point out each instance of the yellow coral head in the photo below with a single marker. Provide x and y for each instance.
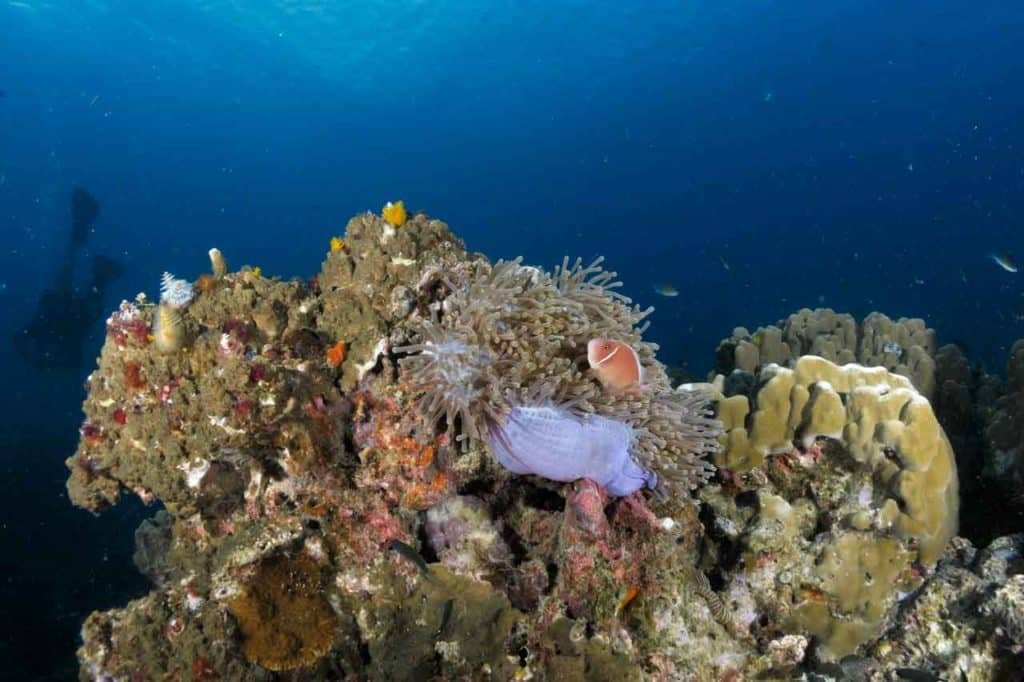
(395, 213)
(337, 244)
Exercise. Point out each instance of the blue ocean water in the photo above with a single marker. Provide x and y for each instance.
(758, 156)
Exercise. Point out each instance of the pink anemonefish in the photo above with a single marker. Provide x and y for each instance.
(616, 365)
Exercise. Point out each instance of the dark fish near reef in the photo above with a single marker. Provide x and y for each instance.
(1005, 261)
(404, 550)
(445, 629)
(915, 675)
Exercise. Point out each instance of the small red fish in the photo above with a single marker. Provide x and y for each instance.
(616, 365)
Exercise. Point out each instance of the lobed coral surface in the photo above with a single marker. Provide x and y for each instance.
(855, 496)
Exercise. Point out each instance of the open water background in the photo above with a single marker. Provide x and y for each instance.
(759, 156)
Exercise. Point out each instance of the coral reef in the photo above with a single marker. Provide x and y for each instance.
(355, 485)
(1003, 430)
(467, 540)
(965, 623)
(839, 492)
(327, 516)
(905, 346)
(981, 413)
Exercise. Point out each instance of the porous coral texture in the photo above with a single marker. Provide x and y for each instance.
(856, 498)
(905, 346)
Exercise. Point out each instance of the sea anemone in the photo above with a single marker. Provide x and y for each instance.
(676, 434)
(507, 358)
(456, 379)
(176, 293)
(558, 445)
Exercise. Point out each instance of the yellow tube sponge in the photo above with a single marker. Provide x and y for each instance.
(218, 264)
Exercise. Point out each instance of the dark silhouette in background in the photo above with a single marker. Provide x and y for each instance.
(58, 563)
(64, 317)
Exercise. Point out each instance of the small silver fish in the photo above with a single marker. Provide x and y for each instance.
(725, 263)
(1005, 261)
(666, 290)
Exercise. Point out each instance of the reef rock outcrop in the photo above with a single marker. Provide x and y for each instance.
(351, 489)
(327, 514)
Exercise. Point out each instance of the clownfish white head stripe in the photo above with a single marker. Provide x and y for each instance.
(615, 364)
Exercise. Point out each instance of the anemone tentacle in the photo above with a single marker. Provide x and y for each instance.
(514, 336)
